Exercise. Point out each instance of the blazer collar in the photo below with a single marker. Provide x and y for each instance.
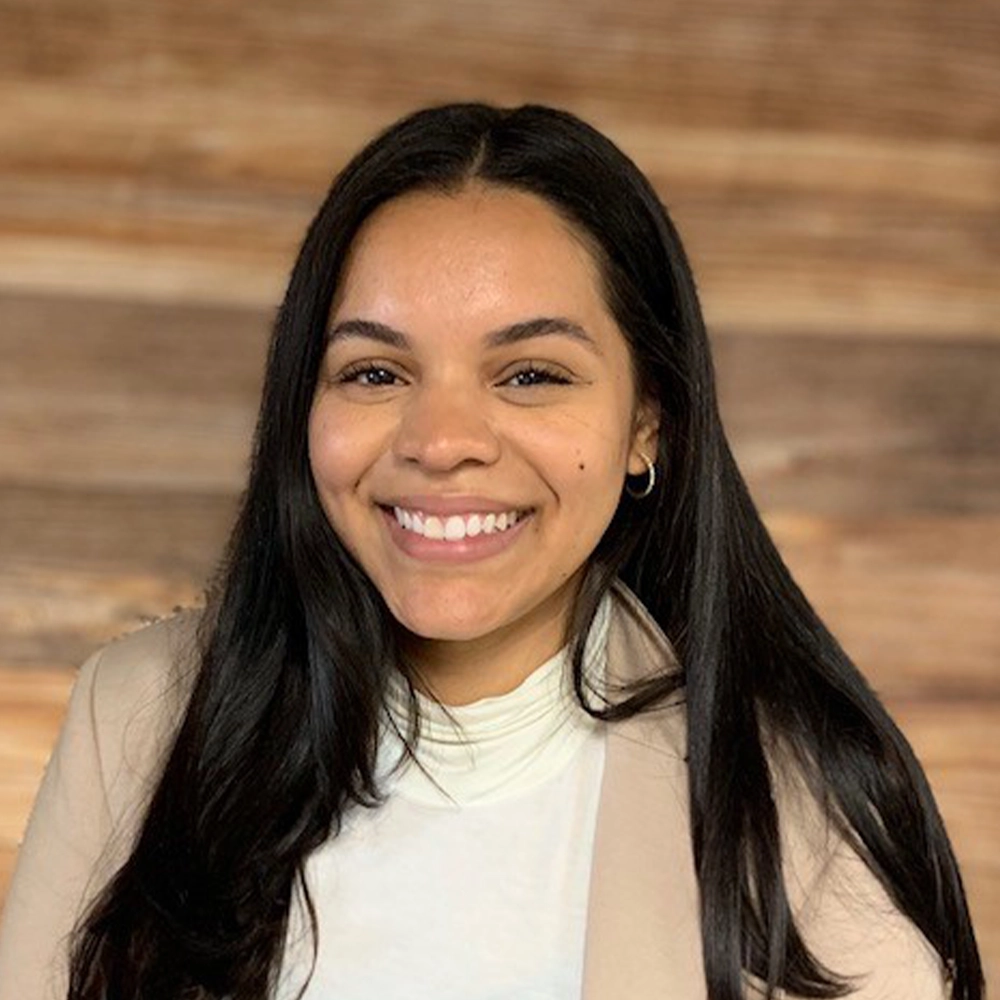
(643, 928)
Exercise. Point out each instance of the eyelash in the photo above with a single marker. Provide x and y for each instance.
(549, 376)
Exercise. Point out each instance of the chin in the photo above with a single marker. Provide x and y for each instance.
(447, 621)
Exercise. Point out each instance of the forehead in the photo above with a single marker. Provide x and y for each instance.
(484, 250)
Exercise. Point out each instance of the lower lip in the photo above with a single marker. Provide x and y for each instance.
(438, 550)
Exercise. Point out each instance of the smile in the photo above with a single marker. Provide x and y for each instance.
(455, 527)
(454, 538)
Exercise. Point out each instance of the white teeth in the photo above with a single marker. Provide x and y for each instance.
(455, 527)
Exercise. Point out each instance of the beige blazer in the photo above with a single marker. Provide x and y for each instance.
(643, 938)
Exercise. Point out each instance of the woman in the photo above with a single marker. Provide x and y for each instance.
(503, 689)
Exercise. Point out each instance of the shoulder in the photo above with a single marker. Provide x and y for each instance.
(132, 694)
(844, 913)
(153, 658)
(126, 704)
(639, 651)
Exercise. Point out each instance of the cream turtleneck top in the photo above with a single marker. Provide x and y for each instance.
(471, 881)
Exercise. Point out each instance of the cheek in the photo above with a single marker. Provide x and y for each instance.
(590, 483)
(331, 453)
(589, 456)
(601, 484)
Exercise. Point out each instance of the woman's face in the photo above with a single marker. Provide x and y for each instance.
(473, 369)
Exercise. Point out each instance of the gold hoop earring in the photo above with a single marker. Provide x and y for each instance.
(651, 473)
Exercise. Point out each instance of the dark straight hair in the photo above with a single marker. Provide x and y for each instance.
(296, 643)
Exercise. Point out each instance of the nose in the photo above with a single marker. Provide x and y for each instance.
(443, 426)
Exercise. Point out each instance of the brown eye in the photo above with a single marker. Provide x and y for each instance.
(535, 374)
(373, 376)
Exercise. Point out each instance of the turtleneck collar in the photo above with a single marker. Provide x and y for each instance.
(497, 747)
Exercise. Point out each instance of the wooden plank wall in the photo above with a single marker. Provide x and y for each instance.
(833, 165)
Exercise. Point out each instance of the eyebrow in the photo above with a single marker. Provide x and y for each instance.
(542, 326)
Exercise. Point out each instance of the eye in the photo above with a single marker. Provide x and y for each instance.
(359, 373)
(537, 374)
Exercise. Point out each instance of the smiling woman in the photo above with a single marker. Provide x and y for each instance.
(502, 688)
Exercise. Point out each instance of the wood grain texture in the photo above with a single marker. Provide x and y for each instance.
(864, 426)
(198, 139)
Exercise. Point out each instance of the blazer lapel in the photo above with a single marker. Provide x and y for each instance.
(643, 930)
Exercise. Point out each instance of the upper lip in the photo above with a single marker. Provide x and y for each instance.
(452, 504)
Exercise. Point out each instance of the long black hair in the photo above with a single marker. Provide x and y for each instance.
(280, 732)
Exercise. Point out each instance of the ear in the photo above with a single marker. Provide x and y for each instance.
(645, 438)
